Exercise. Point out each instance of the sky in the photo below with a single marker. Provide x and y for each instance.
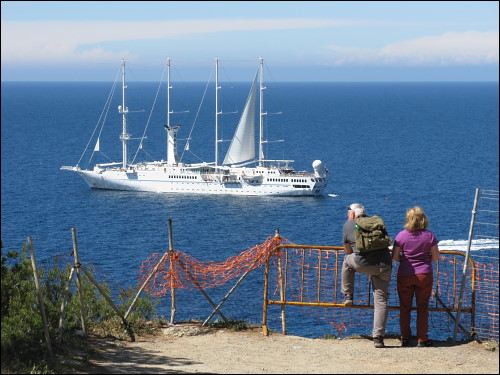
(360, 41)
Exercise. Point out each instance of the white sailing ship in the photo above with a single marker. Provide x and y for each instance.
(240, 173)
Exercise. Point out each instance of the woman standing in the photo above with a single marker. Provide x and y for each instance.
(415, 248)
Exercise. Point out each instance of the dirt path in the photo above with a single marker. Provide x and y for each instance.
(192, 349)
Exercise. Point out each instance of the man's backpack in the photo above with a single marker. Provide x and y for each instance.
(371, 234)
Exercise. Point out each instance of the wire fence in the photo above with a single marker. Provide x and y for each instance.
(485, 233)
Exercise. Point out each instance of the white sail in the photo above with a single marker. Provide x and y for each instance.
(97, 146)
(242, 146)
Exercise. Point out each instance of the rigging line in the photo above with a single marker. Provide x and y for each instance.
(277, 101)
(197, 112)
(108, 101)
(107, 157)
(146, 154)
(180, 83)
(103, 122)
(200, 159)
(139, 147)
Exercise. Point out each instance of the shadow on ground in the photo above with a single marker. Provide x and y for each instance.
(130, 360)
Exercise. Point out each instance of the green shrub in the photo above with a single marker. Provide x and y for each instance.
(232, 324)
(23, 343)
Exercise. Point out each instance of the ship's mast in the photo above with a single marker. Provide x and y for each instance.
(217, 87)
(124, 110)
(172, 158)
(168, 92)
(261, 113)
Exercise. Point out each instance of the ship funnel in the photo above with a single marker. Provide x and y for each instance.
(172, 157)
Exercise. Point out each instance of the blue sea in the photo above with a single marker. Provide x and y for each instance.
(388, 146)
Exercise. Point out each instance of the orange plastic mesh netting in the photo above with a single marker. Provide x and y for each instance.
(180, 270)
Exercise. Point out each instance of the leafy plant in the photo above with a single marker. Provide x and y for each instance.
(330, 337)
(232, 324)
(23, 344)
(491, 346)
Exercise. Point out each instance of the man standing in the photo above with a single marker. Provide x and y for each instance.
(377, 264)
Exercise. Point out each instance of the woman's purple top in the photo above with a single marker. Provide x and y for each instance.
(415, 251)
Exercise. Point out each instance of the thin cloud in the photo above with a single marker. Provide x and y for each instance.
(451, 48)
(52, 41)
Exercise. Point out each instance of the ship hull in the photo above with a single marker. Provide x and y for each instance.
(164, 182)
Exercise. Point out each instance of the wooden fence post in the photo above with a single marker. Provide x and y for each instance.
(110, 301)
(40, 297)
(172, 272)
(144, 284)
(79, 282)
(265, 331)
(63, 306)
(281, 282)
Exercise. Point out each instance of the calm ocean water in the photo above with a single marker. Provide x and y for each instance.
(388, 146)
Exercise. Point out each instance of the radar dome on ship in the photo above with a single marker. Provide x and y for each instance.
(317, 164)
(318, 168)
